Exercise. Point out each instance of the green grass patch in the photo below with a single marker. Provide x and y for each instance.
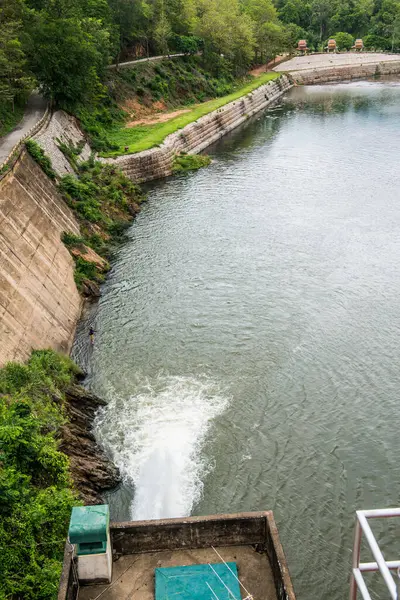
(137, 139)
(190, 162)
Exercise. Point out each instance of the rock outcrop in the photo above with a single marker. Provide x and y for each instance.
(91, 470)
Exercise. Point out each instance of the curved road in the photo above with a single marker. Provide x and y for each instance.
(34, 111)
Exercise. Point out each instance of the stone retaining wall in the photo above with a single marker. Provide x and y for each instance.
(65, 128)
(195, 137)
(345, 73)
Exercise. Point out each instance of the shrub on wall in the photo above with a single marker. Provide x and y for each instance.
(39, 156)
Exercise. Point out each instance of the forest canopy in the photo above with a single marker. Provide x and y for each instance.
(64, 46)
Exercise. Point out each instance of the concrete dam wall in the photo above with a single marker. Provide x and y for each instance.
(158, 162)
(39, 302)
(315, 76)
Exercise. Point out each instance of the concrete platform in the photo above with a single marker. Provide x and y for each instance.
(323, 61)
(133, 575)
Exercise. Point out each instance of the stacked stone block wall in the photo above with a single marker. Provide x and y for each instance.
(195, 137)
(346, 73)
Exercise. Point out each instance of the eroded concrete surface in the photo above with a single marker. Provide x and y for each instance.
(322, 61)
(133, 575)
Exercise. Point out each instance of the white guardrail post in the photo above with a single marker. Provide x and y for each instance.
(357, 582)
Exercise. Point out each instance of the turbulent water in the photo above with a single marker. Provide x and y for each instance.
(248, 336)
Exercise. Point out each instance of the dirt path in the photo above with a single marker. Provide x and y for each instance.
(158, 118)
(264, 68)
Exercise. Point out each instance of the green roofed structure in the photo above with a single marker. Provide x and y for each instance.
(89, 529)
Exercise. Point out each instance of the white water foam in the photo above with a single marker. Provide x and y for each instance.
(155, 438)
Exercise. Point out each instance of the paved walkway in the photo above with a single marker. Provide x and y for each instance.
(35, 109)
(131, 63)
(321, 61)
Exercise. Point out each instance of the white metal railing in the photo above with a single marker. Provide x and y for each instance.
(357, 581)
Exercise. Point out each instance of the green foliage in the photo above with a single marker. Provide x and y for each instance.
(15, 78)
(36, 496)
(68, 57)
(104, 201)
(344, 40)
(189, 44)
(39, 156)
(71, 240)
(190, 162)
(10, 116)
(142, 137)
(376, 42)
(86, 270)
(97, 120)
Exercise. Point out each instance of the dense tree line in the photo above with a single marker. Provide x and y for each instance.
(64, 46)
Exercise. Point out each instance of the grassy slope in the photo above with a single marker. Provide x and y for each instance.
(143, 137)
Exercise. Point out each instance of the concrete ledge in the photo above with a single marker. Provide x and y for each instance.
(192, 532)
(346, 72)
(257, 529)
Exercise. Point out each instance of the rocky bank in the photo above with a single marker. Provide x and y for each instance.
(92, 472)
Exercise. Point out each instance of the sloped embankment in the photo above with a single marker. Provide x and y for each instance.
(192, 139)
(39, 302)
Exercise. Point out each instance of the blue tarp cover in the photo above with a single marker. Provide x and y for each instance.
(190, 583)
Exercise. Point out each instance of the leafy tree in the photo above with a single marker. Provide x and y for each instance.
(296, 11)
(35, 494)
(225, 30)
(321, 12)
(15, 80)
(344, 40)
(274, 39)
(133, 21)
(376, 42)
(265, 23)
(68, 57)
(294, 33)
(162, 30)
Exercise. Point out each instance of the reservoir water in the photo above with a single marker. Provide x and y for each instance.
(248, 336)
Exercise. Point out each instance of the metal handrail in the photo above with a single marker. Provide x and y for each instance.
(383, 566)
